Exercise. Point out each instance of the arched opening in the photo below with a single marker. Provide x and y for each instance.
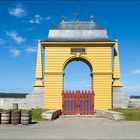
(78, 75)
(78, 96)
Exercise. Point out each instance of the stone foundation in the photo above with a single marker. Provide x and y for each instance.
(36, 98)
(120, 99)
(110, 114)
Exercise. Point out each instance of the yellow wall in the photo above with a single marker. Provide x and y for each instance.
(100, 57)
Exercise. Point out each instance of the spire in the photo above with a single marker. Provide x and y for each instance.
(39, 69)
(116, 67)
(76, 15)
(91, 18)
(62, 18)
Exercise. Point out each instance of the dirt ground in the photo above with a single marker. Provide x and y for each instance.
(73, 128)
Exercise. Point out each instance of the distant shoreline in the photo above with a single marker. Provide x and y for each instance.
(13, 95)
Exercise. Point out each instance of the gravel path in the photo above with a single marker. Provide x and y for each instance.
(73, 128)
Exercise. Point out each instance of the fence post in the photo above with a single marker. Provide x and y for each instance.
(66, 94)
(72, 102)
(93, 102)
(88, 94)
(63, 102)
(83, 102)
(77, 102)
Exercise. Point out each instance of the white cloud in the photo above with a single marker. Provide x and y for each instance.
(14, 35)
(133, 72)
(36, 20)
(2, 41)
(15, 52)
(30, 50)
(137, 71)
(48, 18)
(132, 89)
(18, 11)
(30, 29)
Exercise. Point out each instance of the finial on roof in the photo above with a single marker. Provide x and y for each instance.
(91, 18)
(76, 16)
(62, 18)
(116, 39)
(39, 39)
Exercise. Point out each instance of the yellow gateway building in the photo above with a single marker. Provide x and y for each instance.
(83, 41)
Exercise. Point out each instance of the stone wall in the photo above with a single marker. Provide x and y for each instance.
(122, 100)
(134, 103)
(33, 100)
(6, 103)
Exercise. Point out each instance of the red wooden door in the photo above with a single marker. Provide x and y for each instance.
(78, 102)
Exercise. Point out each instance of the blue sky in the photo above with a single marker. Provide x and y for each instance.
(22, 22)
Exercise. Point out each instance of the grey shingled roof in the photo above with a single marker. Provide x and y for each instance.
(78, 31)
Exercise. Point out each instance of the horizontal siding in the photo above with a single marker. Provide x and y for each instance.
(53, 91)
(103, 91)
(101, 59)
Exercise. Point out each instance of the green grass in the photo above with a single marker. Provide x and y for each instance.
(36, 114)
(130, 114)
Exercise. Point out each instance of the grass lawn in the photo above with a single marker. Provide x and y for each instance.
(36, 114)
(130, 114)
